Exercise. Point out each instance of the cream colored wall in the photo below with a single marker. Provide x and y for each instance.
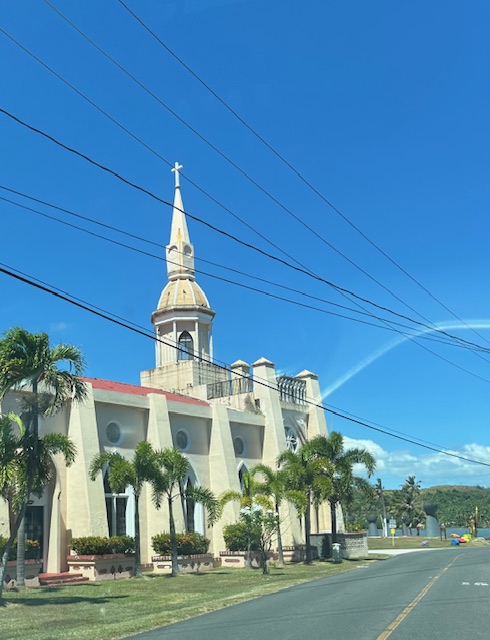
(133, 423)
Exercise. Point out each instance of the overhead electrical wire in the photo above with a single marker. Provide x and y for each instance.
(29, 280)
(301, 177)
(235, 238)
(344, 294)
(386, 322)
(234, 164)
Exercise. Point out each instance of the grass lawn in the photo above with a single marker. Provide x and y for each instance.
(116, 608)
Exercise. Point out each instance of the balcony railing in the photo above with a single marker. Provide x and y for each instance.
(292, 390)
(231, 387)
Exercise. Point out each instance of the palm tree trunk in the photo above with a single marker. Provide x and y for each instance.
(21, 553)
(173, 538)
(10, 542)
(31, 471)
(333, 520)
(308, 531)
(280, 552)
(137, 538)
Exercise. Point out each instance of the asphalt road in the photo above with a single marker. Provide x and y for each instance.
(428, 595)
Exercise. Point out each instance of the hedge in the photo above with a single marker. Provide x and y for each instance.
(32, 547)
(188, 544)
(97, 546)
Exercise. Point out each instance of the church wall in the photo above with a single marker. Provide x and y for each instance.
(132, 423)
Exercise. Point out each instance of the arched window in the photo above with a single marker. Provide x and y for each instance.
(242, 476)
(186, 346)
(190, 506)
(120, 510)
(193, 512)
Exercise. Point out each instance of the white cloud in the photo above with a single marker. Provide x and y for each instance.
(431, 468)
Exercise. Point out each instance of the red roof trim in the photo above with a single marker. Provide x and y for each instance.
(137, 390)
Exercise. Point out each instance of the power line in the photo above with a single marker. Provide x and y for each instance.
(235, 238)
(387, 324)
(344, 294)
(147, 146)
(125, 324)
(242, 171)
(255, 133)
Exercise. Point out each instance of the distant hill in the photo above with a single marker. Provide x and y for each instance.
(456, 503)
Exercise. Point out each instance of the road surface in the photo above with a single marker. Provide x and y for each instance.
(430, 595)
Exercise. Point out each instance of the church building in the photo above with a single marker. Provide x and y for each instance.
(224, 420)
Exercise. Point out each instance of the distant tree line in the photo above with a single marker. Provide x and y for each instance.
(456, 504)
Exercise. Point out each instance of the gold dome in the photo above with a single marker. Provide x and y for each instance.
(182, 292)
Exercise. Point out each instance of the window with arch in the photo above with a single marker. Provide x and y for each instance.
(189, 508)
(193, 511)
(186, 346)
(119, 508)
(242, 475)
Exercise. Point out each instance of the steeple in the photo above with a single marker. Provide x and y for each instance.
(180, 251)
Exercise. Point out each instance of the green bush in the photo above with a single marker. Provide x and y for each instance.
(187, 544)
(32, 547)
(237, 537)
(97, 546)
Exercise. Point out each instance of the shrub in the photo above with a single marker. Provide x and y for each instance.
(97, 546)
(32, 549)
(187, 544)
(237, 537)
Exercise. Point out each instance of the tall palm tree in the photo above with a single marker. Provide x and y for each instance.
(341, 463)
(28, 362)
(273, 486)
(408, 504)
(15, 457)
(121, 473)
(168, 483)
(308, 481)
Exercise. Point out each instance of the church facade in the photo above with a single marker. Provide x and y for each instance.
(224, 420)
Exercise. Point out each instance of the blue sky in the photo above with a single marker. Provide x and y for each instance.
(382, 107)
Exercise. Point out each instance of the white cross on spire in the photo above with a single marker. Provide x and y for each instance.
(177, 167)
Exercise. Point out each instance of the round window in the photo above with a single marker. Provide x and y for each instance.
(182, 440)
(239, 446)
(113, 432)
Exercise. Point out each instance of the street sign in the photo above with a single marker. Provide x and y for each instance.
(392, 524)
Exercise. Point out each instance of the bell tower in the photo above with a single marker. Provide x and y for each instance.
(183, 318)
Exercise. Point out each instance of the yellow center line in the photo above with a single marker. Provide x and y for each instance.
(399, 619)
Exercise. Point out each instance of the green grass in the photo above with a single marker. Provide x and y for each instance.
(116, 608)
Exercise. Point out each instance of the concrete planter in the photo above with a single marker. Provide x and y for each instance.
(105, 567)
(238, 559)
(298, 553)
(187, 564)
(32, 570)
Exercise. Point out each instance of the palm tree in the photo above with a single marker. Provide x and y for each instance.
(15, 475)
(341, 463)
(121, 473)
(168, 483)
(273, 486)
(308, 481)
(408, 504)
(380, 495)
(28, 362)
(245, 498)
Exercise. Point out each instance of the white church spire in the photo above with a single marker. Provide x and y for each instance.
(180, 251)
